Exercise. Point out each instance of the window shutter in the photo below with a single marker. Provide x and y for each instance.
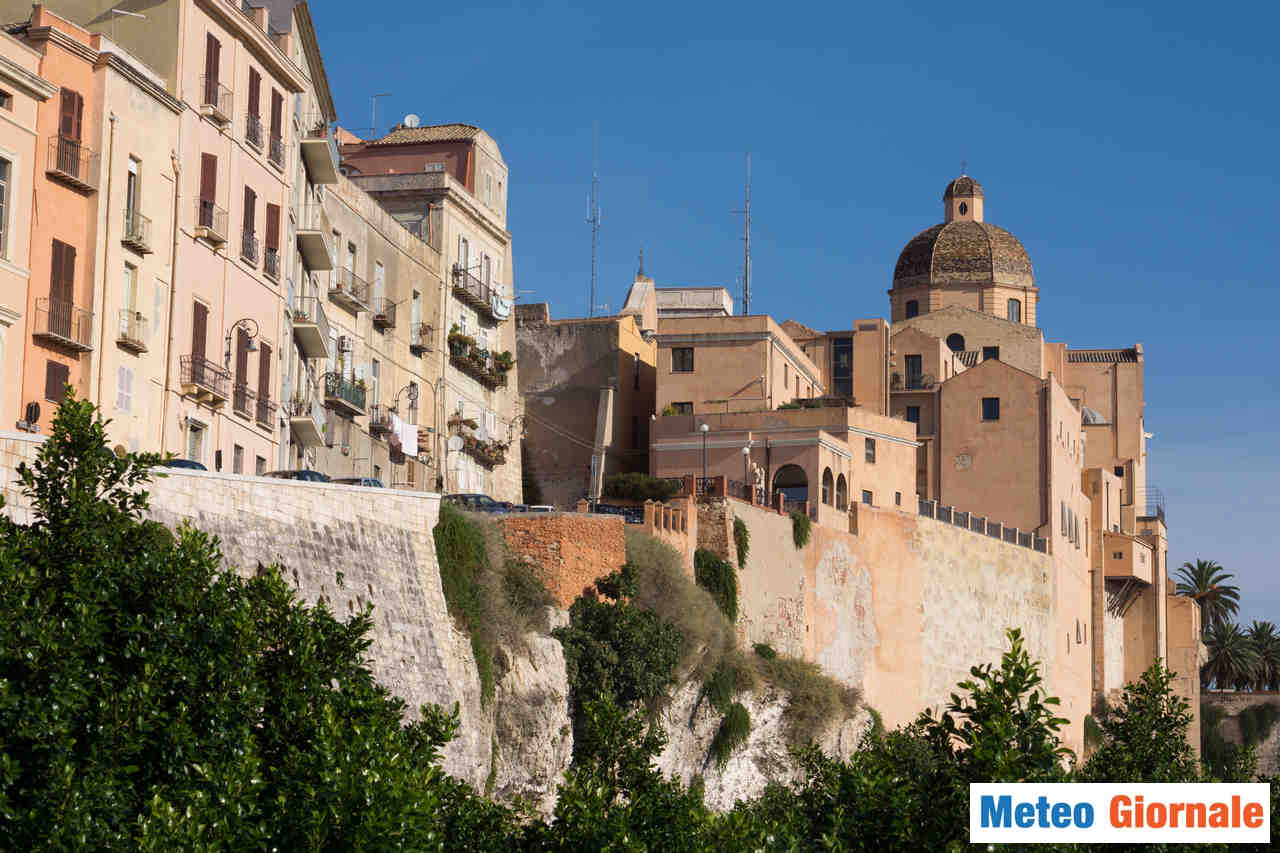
(79, 117)
(212, 51)
(250, 209)
(277, 112)
(55, 381)
(55, 271)
(71, 114)
(242, 356)
(255, 83)
(199, 327)
(264, 371)
(273, 226)
(208, 177)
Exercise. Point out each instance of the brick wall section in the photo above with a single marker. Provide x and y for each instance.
(714, 521)
(569, 550)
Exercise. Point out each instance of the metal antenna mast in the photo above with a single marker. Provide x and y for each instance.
(746, 270)
(593, 218)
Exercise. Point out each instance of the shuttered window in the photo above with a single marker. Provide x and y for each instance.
(277, 113)
(255, 84)
(250, 210)
(71, 115)
(124, 389)
(208, 177)
(273, 226)
(55, 381)
(199, 329)
(264, 371)
(212, 54)
(242, 356)
(62, 277)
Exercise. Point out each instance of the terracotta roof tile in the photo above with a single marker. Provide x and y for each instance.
(1103, 356)
(432, 133)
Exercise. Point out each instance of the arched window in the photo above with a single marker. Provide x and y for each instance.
(793, 483)
(913, 308)
(828, 486)
(1015, 311)
(955, 341)
(842, 493)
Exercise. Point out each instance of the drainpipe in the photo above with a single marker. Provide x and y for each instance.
(173, 293)
(102, 303)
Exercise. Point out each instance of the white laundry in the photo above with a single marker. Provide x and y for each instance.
(408, 435)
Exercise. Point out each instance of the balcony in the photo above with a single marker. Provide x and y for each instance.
(215, 100)
(275, 152)
(249, 248)
(62, 324)
(204, 380)
(271, 263)
(264, 412)
(473, 292)
(133, 331)
(137, 232)
(1155, 504)
(253, 131)
(384, 314)
(421, 336)
(310, 327)
(483, 366)
(307, 416)
(72, 164)
(349, 290)
(487, 453)
(379, 420)
(343, 396)
(319, 151)
(912, 382)
(1126, 557)
(211, 222)
(313, 237)
(242, 399)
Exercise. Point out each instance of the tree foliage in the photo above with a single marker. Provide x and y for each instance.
(1233, 660)
(717, 577)
(1206, 582)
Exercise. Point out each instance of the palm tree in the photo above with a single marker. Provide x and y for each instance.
(1206, 582)
(1233, 661)
(1266, 642)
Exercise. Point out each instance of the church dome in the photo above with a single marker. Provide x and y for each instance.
(962, 187)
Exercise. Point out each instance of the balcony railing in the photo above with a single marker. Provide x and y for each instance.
(318, 150)
(137, 232)
(379, 420)
(133, 331)
(984, 526)
(264, 412)
(1155, 504)
(349, 290)
(384, 313)
(912, 382)
(215, 100)
(314, 236)
(242, 398)
(421, 336)
(275, 152)
(249, 247)
(73, 164)
(472, 291)
(478, 363)
(211, 222)
(63, 324)
(204, 379)
(343, 395)
(310, 327)
(271, 263)
(253, 131)
(307, 415)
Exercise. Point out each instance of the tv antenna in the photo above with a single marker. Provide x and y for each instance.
(373, 113)
(746, 269)
(119, 11)
(593, 217)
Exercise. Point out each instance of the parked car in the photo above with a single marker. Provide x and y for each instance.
(371, 482)
(477, 502)
(184, 463)
(540, 508)
(303, 474)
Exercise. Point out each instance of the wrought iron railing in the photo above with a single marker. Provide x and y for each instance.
(249, 247)
(133, 330)
(420, 338)
(211, 220)
(310, 309)
(137, 231)
(349, 289)
(204, 374)
(472, 290)
(62, 323)
(979, 524)
(379, 419)
(911, 382)
(384, 313)
(264, 412)
(253, 131)
(242, 397)
(271, 262)
(73, 163)
(338, 388)
(215, 98)
(1155, 503)
(275, 151)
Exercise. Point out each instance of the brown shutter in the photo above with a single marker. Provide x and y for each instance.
(277, 112)
(208, 177)
(255, 83)
(71, 115)
(55, 271)
(250, 210)
(273, 226)
(55, 381)
(242, 356)
(264, 371)
(212, 51)
(199, 329)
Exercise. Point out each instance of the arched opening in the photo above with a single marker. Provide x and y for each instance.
(792, 483)
(913, 308)
(842, 493)
(955, 342)
(1015, 311)
(828, 486)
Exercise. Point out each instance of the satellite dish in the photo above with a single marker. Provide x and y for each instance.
(455, 443)
(412, 120)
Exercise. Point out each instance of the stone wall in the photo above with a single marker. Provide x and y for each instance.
(568, 550)
(1233, 703)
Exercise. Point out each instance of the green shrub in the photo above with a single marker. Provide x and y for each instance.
(735, 726)
(765, 651)
(1092, 732)
(814, 698)
(734, 675)
(1256, 722)
(800, 528)
(638, 487)
(741, 541)
(717, 577)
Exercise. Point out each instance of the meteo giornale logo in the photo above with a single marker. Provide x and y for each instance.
(1119, 813)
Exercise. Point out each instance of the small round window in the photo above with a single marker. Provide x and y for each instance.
(964, 208)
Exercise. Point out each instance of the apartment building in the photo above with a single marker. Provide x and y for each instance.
(23, 92)
(448, 184)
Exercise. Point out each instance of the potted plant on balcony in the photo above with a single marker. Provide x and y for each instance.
(460, 345)
(503, 361)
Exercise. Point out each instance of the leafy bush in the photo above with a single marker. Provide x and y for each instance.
(717, 577)
(1129, 750)
(814, 698)
(741, 541)
(734, 729)
(638, 487)
(734, 675)
(800, 528)
(765, 651)
(1256, 722)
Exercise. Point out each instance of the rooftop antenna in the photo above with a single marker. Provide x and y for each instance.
(746, 270)
(373, 113)
(963, 163)
(593, 218)
(641, 272)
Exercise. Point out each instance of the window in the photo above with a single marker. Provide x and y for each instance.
(635, 371)
(379, 284)
(237, 459)
(1063, 507)
(913, 308)
(897, 498)
(199, 331)
(5, 168)
(1015, 311)
(682, 360)
(6, 100)
(786, 378)
(870, 444)
(1119, 470)
(259, 465)
(415, 313)
(70, 124)
(955, 342)
(991, 352)
(683, 408)
(208, 189)
(131, 193)
(212, 52)
(195, 442)
(55, 381)
(991, 408)
(1117, 555)
(264, 381)
(914, 366)
(964, 208)
(272, 265)
(62, 279)
(375, 373)
(277, 123)
(828, 487)
(867, 498)
(913, 414)
(124, 389)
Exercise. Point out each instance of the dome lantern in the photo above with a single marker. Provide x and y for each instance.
(962, 200)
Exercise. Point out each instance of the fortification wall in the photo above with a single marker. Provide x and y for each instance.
(568, 550)
(1233, 703)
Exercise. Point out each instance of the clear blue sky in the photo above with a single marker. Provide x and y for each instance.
(1133, 151)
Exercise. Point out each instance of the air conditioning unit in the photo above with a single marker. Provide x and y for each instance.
(344, 343)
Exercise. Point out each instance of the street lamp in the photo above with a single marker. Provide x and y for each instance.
(705, 430)
(247, 322)
(746, 467)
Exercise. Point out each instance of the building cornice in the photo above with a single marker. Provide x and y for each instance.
(311, 48)
(126, 70)
(9, 316)
(62, 40)
(276, 63)
(884, 436)
(29, 82)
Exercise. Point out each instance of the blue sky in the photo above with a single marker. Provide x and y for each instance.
(1133, 151)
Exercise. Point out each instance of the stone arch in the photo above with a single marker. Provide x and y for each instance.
(792, 482)
(842, 493)
(828, 487)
